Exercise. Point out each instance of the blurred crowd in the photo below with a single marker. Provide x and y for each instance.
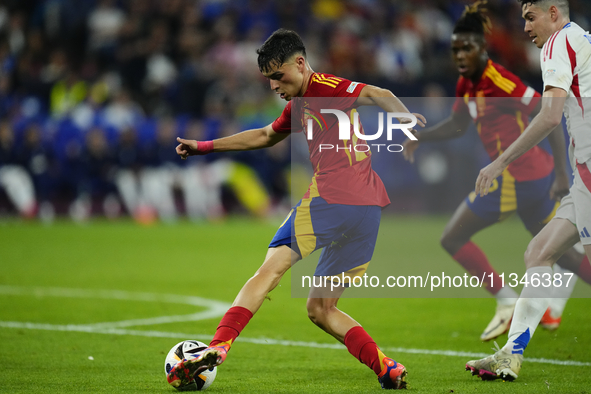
(94, 92)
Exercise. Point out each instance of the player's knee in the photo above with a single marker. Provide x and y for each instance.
(531, 257)
(536, 255)
(268, 275)
(317, 310)
(272, 270)
(314, 307)
(450, 243)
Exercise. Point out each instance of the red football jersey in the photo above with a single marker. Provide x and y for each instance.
(500, 105)
(342, 175)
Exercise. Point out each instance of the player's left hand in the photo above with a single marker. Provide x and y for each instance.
(187, 148)
(486, 177)
(409, 146)
(560, 187)
(421, 120)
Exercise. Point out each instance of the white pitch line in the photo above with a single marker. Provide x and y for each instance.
(215, 309)
(163, 319)
(262, 341)
(110, 294)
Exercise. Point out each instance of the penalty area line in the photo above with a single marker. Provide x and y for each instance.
(259, 341)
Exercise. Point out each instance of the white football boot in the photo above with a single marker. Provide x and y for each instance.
(500, 323)
(501, 365)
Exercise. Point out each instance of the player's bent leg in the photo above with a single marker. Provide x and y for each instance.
(461, 227)
(572, 264)
(569, 259)
(324, 313)
(251, 296)
(456, 241)
(558, 296)
(267, 277)
(575, 213)
(248, 301)
(550, 243)
(542, 252)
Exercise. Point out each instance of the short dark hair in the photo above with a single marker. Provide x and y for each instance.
(474, 20)
(562, 5)
(279, 47)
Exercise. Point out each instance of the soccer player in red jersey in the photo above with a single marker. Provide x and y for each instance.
(499, 104)
(344, 201)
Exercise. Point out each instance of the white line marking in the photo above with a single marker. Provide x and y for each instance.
(262, 341)
(216, 308)
(109, 294)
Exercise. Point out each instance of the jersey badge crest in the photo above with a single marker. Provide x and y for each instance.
(352, 87)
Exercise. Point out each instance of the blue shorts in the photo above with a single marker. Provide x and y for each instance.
(347, 233)
(530, 199)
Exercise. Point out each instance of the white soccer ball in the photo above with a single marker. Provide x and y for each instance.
(180, 351)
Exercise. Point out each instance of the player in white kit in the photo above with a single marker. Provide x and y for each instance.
(566, 70)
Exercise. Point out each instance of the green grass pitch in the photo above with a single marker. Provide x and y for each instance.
(88, 309)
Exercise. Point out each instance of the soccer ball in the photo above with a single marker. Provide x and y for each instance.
(180, 351)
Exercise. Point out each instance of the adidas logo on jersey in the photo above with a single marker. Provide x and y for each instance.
(585, 233)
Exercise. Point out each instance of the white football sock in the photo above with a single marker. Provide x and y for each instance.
(506, 296)
(529, 309)
(560, 295)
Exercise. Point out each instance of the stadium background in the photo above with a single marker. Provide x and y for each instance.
(93, 93)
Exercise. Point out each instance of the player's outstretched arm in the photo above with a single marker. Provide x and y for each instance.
(246, 140)
(385, 99)
(454, 126)
(560, 187)
(549, 117)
